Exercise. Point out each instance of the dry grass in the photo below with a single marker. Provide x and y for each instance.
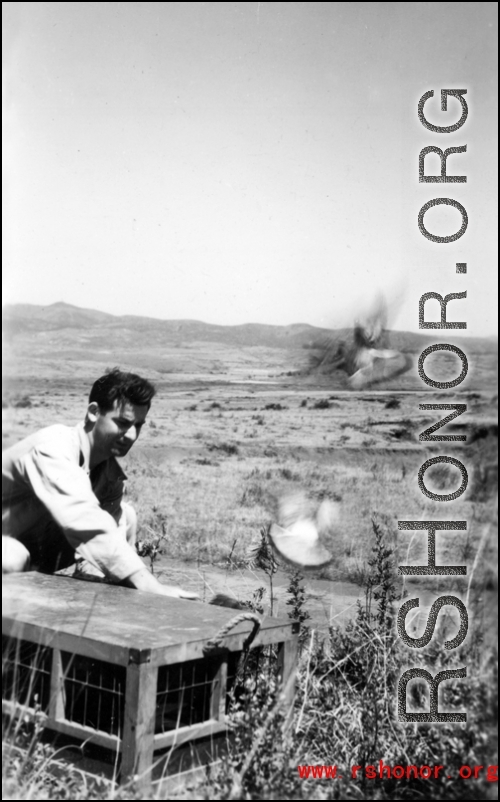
(209, 467)
(206, 476)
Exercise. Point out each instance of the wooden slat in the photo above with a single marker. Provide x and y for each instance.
(139, 725)
(234, 641)
(14, 710)
(57, 693)
(219, 691)
(113, 742)
(65, 642)
(184, 734)
(89, 734)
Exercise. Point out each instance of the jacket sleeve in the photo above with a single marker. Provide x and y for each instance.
(66, 492)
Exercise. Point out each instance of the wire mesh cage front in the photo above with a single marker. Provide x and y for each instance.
(26, 670)
(185, 692)
(94, 690)
(94, 693)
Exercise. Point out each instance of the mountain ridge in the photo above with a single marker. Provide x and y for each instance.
(23, 320)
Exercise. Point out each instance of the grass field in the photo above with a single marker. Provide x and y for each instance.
(205, 477)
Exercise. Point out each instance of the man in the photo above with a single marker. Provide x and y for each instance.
(62, 491)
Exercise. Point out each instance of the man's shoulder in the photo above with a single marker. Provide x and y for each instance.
(61, 439)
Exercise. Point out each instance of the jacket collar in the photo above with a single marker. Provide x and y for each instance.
(84, 444)
(111, 467)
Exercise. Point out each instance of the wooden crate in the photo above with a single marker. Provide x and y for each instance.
(129, 671)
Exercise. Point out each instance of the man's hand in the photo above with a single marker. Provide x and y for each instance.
(143, 580)
(178, 593)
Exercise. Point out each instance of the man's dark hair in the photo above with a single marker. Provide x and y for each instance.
(119, 386)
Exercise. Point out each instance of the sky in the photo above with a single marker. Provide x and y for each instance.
(247, 162)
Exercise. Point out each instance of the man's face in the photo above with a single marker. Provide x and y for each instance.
(116, 430)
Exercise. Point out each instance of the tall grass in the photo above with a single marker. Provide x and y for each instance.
(344, 713)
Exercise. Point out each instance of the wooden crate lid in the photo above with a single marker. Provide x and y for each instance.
(119, 624)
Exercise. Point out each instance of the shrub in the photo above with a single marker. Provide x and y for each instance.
(254, 494)
(323, 403)
(297, 600)
(401, 434)
(228, 448)
(290, 476)
(23, 402)
(441, 476)
(393, 403)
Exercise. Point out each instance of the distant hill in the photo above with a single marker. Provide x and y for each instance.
(23, 319)
(62, 341)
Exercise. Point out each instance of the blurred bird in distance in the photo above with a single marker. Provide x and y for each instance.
(364, 359)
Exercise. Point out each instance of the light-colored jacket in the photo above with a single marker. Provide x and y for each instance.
(46, 477)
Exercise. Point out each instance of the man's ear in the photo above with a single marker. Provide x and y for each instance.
(92, 412)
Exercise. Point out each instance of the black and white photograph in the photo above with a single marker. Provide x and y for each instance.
(250, 410)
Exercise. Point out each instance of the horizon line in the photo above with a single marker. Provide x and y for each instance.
(425, 332)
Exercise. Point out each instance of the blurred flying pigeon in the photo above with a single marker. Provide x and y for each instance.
(302, 526)
(364, 360)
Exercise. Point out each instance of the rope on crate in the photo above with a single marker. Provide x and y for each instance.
(216, 641)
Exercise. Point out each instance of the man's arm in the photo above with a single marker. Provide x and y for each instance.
(66, 492)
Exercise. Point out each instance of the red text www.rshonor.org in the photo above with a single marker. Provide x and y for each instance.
(465, 772)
